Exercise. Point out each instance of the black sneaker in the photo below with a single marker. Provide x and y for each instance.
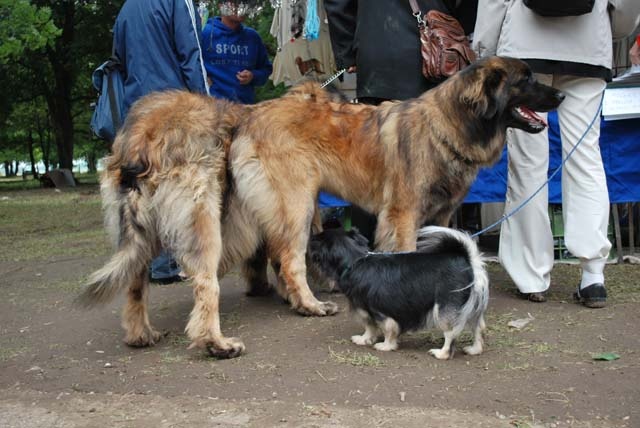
(592, 296)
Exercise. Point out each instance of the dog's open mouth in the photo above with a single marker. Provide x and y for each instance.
(528, 117)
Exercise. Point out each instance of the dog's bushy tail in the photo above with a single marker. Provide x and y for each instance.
(435, 238)
(128, 221)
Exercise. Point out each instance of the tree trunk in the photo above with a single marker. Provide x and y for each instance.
(92, 162)
(59, 98)
(32, 158)
(45, 146)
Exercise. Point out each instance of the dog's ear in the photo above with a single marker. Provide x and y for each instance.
(483, 91)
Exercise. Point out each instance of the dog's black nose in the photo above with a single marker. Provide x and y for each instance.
(560, 96)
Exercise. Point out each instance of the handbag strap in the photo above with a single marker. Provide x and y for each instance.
(111, 91)
(417, 13)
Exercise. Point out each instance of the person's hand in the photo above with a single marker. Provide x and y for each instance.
(244, 77)
(634, 52)
(351, 69)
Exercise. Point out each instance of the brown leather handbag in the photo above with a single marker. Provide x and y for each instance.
(445, 46)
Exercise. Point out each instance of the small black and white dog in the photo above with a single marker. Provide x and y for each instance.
(442, 284)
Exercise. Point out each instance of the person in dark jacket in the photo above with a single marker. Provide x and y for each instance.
(379, 39)
(157, 42)
(235, 57)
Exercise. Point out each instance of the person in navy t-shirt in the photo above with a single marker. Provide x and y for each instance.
(235, 57)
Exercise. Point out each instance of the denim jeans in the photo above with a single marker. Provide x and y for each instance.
(164, 266)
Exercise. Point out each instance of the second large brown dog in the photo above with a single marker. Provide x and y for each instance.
(409, 163)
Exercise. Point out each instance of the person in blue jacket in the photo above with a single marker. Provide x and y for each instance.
(235, 57)
(158, 44)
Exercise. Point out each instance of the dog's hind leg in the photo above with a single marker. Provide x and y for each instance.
(391, 331)
(447, 350)
(478, 343)
(200, 260)
(191, 222)
(135, 318)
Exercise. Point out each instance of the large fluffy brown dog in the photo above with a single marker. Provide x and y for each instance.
(410, 162)
(165, 185)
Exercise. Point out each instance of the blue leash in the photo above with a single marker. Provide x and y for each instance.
(526, 201)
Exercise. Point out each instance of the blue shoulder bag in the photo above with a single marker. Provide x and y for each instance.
(107, 116)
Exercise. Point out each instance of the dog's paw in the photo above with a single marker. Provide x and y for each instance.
(362, 340)
(440, 354)
(386, 346)
(148, 337)
(229, 347)
(473, 350)
(319, 309)
(329, 308)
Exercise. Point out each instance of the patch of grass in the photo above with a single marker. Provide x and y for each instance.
(520, 424)
(621, 283)
(357, 359)
(18, 183)
(40, 224)
(170, 358)
(540, 348)
(8, 353)
(178, 340)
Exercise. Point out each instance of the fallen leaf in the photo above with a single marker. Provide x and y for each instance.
(521, 323)
(605, 356)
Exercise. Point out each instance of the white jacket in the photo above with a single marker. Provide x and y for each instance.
(509, 28)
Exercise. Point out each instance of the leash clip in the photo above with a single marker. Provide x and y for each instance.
(332, 78)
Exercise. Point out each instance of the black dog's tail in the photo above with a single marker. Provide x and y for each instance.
(436, 238)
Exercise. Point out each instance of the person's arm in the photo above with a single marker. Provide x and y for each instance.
(342, 15)
(488, 26)
(186, 36)
(263, 67)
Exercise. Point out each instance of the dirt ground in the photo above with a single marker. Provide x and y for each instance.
(65, 367)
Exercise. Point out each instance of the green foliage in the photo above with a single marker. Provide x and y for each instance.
(48, 51)
(24, 26)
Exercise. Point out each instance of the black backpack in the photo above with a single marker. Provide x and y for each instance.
(556, 8)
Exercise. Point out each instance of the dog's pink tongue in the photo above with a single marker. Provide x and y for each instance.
(530, 114)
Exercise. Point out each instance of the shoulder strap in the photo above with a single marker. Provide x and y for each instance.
(416, 12)
(414, 7)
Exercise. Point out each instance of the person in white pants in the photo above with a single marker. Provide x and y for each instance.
(526, 241)
(572, 51)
